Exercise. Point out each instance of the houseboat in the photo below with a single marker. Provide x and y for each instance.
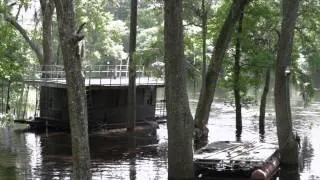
(106, 91)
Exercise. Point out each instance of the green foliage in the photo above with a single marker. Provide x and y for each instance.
(107, 31)
(12, 53)
(215, 21)
(104, 34)
(258, 48)
(107, 38)
(307, 37)
(150, 44)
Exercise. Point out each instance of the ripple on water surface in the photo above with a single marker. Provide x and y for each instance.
(32, 156)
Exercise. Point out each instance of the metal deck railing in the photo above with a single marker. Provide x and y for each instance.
(106, 75)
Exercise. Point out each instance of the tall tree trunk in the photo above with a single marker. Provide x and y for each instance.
(263, 102)
(180, 123)
(207, 91)
(204, 41)
(236, 83)
(47, 8)
(132, 68)
(287, 144)
(69, 38)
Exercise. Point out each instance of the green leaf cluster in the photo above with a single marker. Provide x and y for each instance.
(12, 53)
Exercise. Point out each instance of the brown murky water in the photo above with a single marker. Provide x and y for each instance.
(144, 156)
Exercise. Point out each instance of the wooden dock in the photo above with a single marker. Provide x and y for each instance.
(226, 158)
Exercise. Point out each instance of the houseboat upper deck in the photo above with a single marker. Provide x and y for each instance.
(99, 75)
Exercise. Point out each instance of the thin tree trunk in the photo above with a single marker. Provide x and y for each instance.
(2, 96)
(237, 69)
(69, 38)
(207, 91)
(58, 60)
(287, 144)
(132, 68)
(263, 102)
(25, 103)
(180, 123)
(20, 102)
(37, 103)
(204, 43)
(8, 97)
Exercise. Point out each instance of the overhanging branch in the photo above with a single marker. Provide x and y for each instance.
(24, 34)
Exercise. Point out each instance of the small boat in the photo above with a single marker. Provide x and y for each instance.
(242, 159)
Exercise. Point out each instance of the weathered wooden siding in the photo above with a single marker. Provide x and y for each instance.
(107, 106)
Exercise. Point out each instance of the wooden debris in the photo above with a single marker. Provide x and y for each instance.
(238, 158)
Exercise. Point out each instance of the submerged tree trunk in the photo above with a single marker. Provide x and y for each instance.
(180, 123)
(263, 102)
(236, 83)
(132, 68)
(69, 38)
(208, 90)
(287, 143)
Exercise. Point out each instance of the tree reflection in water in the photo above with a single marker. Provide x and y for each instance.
(289, 173)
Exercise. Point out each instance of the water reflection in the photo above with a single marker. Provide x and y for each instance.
(133, 170)
(261, 137)
(238, 135)
(19, 153)
(306, 154)
(289, 173)
(199, 143)
(144, 155)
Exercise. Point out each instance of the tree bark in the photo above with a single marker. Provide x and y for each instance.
(132, 68)
(207, 91)
(180, 123)
(204, 41)
(287, 144)
(263, 102)
(236, 83)
(69, 38)
(8, 97)
(47, 9)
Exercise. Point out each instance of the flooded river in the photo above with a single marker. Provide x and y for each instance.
(144, 156)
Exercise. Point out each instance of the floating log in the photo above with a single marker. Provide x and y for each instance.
(269, 168)
(227, 158)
